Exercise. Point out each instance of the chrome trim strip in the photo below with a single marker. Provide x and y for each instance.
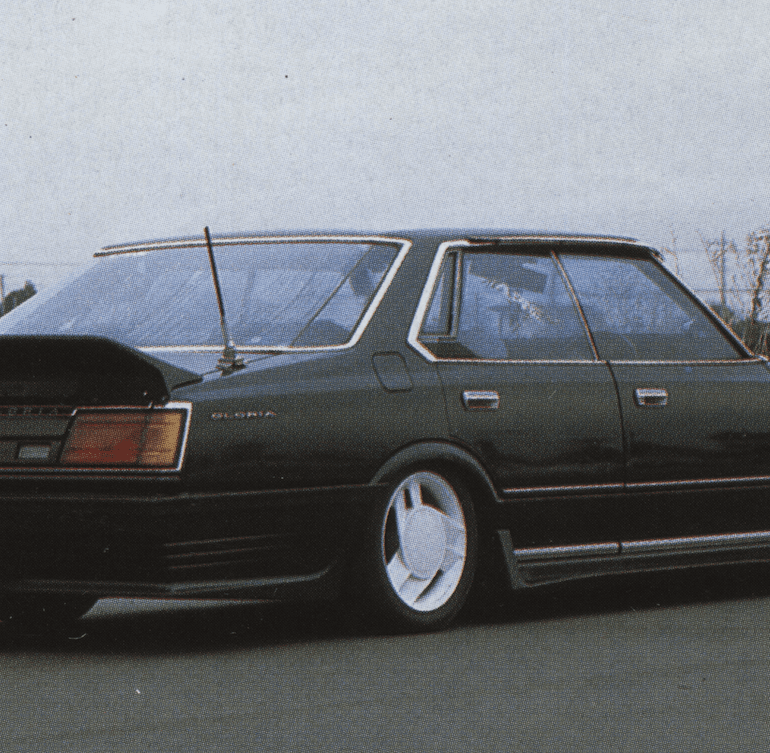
(356, 336)
(629, 486)
(111, 471)
(129, 248)
(527, 237)
(187, 406)
(682, 544)
(513, 360)
(257, 539)
(632, 485)
(530, 490)
(608, 239)
(695, 542)
(565, 552)
(726, 361)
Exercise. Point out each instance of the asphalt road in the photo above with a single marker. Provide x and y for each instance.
(675, 663)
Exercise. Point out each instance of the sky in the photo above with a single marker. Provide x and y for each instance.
(125, 121)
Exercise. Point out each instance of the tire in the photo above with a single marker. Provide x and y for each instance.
(41, 612)
(420, 552)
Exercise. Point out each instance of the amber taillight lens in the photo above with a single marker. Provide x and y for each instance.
(145, 439)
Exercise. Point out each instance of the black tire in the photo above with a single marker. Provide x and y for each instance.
(418, 556)
(41, 612)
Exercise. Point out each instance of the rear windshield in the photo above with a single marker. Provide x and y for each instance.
(275, 294)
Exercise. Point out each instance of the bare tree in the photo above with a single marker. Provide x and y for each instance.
(672, 252)
(757, 255)
(726, 263)
(741, 273)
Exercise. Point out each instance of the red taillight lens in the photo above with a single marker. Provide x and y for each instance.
(147, 439)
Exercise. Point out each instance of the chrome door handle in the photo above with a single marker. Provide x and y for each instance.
(648, 397)
(481, 400)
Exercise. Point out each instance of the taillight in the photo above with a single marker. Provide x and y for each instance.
(140, 438)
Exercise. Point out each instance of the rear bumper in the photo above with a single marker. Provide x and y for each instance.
(321, 585)
(279, 545)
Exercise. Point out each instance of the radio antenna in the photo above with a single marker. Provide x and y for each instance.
(229, 361)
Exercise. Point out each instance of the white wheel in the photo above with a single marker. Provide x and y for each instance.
(421, 555)
(424, 541)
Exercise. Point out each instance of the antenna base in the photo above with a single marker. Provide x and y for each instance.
(230, 361)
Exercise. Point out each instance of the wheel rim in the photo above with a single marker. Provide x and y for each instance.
(424, 541)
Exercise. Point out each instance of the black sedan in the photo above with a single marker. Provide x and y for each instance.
(368, 417)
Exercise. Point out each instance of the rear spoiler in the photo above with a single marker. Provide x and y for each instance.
(83, 370)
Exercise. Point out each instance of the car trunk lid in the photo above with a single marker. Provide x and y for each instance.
(46, 380)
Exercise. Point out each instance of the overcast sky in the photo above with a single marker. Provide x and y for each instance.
(131, 120)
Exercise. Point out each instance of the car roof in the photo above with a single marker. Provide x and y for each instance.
(444, 234)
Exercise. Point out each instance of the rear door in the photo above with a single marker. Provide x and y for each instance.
(524, 390)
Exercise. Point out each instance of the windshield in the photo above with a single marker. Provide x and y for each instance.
(275, 294)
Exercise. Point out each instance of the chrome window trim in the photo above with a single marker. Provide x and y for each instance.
(454, 307)
(358, 332)
(321, 236)
(607, 239)
(427, 294)
(512, 360)
(425, 298)
(130, 248)
(115, 470)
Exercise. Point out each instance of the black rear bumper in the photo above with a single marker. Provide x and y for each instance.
(279, 544)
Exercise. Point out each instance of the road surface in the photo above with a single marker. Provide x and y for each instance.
(657, 663)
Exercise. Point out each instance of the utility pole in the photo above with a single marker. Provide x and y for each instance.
(722, 275)
(2, 295)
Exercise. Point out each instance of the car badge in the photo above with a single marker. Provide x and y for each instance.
(243, 415)
(26, 411)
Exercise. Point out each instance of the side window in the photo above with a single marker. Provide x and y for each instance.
(438, 321)
(636, 313)
(511, 307)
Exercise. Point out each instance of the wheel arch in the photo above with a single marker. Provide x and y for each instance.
(495, 573)
(444, 455)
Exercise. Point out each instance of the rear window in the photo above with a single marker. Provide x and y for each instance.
(275, 294)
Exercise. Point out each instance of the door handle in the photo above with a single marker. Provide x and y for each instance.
(649, 397)
(481, 400)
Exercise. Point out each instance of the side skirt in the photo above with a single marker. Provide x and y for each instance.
(543, 565)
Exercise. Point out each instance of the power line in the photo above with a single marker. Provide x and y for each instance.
(41, 263)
